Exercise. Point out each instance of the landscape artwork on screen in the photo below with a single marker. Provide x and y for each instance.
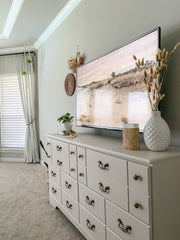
(111, 90)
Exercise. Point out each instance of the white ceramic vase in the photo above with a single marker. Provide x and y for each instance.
(67, 126)
(156, 133)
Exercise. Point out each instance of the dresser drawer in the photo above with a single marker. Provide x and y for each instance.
(69, 185)
(73, 161)
(60, 155)
(139, 205)
(54, 175)
(81, 156)
(111, 235)
(125, 225)
(93, 202)
(92, 225)
(55, 191)
(70, 205)
(109, 189)
(139, 177)
(110, 167)
(82, 174)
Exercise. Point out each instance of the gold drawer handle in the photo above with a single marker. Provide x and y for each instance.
(54, 190)
(81, 174)
(53, 174)
(67, 185)
(89, 225)
(89, 202)
(137, 205)
(59, 163)
(72, 169)
(125, 229)
(103, 166)
(48, 143)
(104, 189)
(136, 177)
(68, 205)
(58, 148)
(81, 156)
(72, 152)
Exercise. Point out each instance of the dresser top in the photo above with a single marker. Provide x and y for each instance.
(113, 146)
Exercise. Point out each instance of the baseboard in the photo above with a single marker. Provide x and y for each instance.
(20, 160)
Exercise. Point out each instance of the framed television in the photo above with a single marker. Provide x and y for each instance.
(111, 90)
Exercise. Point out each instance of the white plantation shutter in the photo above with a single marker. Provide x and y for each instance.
(13, 127)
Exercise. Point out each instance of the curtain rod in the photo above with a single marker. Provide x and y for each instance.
(18, 53)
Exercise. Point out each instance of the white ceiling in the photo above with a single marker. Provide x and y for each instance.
(4, 10)
(33, 19)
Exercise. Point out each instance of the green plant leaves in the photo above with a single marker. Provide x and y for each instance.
(65, 118)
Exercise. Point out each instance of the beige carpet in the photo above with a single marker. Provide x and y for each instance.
(25, 213)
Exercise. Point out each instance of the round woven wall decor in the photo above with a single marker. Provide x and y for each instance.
(70, 84)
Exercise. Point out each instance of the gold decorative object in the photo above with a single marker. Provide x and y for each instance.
(70, 133)
(155, 79)
(74, 63)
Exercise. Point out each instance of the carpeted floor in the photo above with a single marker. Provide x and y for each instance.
(25, 213)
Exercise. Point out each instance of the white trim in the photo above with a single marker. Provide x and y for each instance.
(12, 160)
(15, 49)
(11, 18)
(63, 14)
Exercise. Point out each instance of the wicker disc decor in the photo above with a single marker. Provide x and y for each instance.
(70, 84)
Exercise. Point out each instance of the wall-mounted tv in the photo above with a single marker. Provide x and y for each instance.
(111, 90)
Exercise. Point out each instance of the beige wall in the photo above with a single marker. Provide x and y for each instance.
(100, 26)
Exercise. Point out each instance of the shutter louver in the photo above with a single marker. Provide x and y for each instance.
(13, 127)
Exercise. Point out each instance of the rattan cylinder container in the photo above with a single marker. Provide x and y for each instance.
(131, 136)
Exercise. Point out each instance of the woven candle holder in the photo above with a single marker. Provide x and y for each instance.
(131, 136)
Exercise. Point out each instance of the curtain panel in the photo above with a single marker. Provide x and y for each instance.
(26, 79)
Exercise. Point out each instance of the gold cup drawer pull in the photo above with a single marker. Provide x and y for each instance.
(103, 166)
(58, 148)
(89, 202)
(67, 185)
(53, 174)
(104, 189)
(81, 174)
(59, 163)
(53, 190)
(73, 170)
(68, 205)
(81, 156)
(89, 225)
(136, 177)
(125, 229)
(72, 152)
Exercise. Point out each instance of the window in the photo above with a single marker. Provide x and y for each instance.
(13, 127)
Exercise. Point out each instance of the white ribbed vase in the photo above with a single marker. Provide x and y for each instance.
(156, 133)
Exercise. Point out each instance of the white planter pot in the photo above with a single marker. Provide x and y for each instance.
(67, 126)
(156, 133)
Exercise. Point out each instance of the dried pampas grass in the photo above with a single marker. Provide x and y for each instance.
(74, 63)
(155, 79)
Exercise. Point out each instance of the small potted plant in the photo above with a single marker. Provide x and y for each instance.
(66, 120)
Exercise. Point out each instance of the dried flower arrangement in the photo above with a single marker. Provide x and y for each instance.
(155, 79)
(76, 62)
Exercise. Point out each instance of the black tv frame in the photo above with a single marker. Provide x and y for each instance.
(133, 40)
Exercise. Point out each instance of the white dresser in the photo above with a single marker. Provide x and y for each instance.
(110, 193)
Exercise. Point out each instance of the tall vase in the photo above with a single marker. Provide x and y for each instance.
(156, 133)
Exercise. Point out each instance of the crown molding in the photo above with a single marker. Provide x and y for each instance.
(58, 20)
(16, 49)
(11, 18)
